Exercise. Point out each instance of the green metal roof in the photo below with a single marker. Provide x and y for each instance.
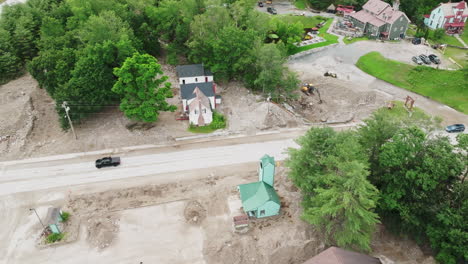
(256, 194)
(267, 160)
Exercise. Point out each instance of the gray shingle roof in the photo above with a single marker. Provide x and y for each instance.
(335, 255)
(186, 90)
(192, 70)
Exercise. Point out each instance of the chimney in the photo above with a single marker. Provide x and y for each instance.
(396, 5)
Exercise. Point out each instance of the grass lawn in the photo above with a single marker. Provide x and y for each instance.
(459, 55)
(330, 39)
(400, 111)
(300, 4)
(464, 36)
(219, 122)
(346, 41)
(448, 87)
(308, 22)
(446, 39)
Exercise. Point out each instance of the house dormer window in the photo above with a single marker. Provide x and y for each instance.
(196, 112)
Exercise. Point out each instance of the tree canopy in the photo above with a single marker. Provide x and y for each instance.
(139, 83)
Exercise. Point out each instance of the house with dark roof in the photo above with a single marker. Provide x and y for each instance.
(449, 16)
(194, 73)
(335, 255)
(200, 113)
(196, 83)
(380, 20)
(259, 199)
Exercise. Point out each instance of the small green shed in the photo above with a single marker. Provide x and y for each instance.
(259, 199)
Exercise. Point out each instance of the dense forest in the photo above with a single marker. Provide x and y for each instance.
(392, 171)
(71, 47)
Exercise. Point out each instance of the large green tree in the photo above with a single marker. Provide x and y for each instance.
(330, 169)
(416, 173)
(142, 88)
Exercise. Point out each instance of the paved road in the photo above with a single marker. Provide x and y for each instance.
(46, 173)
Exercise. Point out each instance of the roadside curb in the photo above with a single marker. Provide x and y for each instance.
(212, 136)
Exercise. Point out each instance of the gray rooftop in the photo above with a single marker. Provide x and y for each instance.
(192, 71)
(186, 90)
(52, 216)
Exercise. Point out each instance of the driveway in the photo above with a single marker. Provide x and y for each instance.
(342, 58)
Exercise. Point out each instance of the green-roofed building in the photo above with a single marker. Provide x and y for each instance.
(259, 199)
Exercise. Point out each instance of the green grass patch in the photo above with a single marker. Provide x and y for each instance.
(300, 4)
(448, 87)
(459, 55)
(446, 39)
(65, 216)
(308, 22)
(219, 122)
(464, 36)
(346, 41)
(52, 238)
(329, 39)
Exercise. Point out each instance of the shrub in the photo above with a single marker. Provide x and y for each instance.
(65, 216)
(52, 238)
(219, 121)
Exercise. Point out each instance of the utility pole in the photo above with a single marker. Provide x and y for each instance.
(32, 209)
(64, 105)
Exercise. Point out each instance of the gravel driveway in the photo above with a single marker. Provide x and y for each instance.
(342, 58)
(288, 8)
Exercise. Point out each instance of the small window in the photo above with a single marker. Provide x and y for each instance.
(401, 18)
(196, 79)
(204, 111)
(262, 212)
(195, 111)
(431, 23)
(401, 29)
(183, 81)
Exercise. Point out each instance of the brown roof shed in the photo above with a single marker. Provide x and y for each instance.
(334, 255)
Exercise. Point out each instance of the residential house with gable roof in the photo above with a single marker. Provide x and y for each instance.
(449, 16)
(335, 255)
(198, 93)
(380, 20)
(259, 199)
(200, 113)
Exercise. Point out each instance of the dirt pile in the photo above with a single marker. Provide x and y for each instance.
(17, 114)
(339, 101)
(249, 112)
(194, 212)
(102, 230)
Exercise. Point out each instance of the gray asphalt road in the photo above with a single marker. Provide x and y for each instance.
(77, 169)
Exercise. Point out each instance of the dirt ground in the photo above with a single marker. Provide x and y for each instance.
(31, 128)
(180, 222)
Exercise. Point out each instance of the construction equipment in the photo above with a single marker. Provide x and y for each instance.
(307, 89)
(329, 74)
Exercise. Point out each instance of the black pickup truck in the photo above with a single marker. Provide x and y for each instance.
(107, 162)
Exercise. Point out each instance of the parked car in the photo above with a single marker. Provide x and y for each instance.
(455, 128)
(271, 10)
(434, 59)
(416, 41)
(425, 59)
(417, 60)
(260, 4)
(107, 162)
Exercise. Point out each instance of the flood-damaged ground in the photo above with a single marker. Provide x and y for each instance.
(175, 222)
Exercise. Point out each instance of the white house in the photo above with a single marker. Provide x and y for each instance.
(194, 73)
(450, 16)
(200, 113)
(187, 93)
